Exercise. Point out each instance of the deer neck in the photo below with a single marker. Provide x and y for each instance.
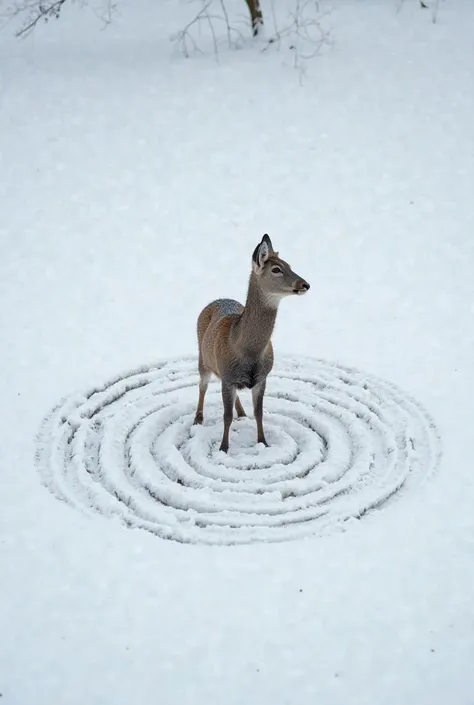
(257, 320)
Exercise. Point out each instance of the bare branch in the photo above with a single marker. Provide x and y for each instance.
(108, 13)
(432, 5)
(32, 12)
(185, 37)
(213, 33)
(226, 18)
(303, 32)
(38, 11)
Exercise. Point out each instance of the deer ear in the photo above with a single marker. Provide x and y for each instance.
(262, 251)
(268, 242)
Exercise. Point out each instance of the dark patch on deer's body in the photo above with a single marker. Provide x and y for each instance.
(227, 307)
(246, 374)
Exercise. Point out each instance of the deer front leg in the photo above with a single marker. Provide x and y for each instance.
(228, 397)
(257, 396)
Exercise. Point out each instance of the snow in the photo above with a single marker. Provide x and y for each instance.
(341, 444)
(134, 186)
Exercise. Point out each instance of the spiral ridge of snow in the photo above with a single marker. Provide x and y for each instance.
(341, 442)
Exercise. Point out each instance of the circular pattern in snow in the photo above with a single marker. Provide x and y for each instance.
(341, 443)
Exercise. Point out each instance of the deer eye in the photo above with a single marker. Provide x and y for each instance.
(276, 270)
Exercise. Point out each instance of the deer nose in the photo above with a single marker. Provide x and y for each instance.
(301, 285)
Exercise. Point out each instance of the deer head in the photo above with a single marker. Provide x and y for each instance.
(274, 275)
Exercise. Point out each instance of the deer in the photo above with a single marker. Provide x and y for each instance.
(235, 340)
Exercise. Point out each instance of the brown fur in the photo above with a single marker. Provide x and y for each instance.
(234, 340)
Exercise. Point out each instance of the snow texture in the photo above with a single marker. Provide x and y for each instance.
(342, 443)
(134, 187)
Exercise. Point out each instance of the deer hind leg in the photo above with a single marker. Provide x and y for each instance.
(203, 383)
(257, 396)
(239, 408)
(228, 397)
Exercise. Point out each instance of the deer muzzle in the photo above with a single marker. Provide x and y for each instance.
(300, 287)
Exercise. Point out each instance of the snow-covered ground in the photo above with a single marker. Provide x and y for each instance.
(134, 185)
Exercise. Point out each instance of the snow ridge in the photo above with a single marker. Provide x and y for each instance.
(342, 442)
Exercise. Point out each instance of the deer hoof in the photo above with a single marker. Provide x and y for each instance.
(198, 419)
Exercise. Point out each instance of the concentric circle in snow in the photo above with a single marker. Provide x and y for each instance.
(341, 443)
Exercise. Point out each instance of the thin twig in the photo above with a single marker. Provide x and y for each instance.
(227, 23)
(42, 13)
(185, 35)
(302, 29)
(214, 38)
